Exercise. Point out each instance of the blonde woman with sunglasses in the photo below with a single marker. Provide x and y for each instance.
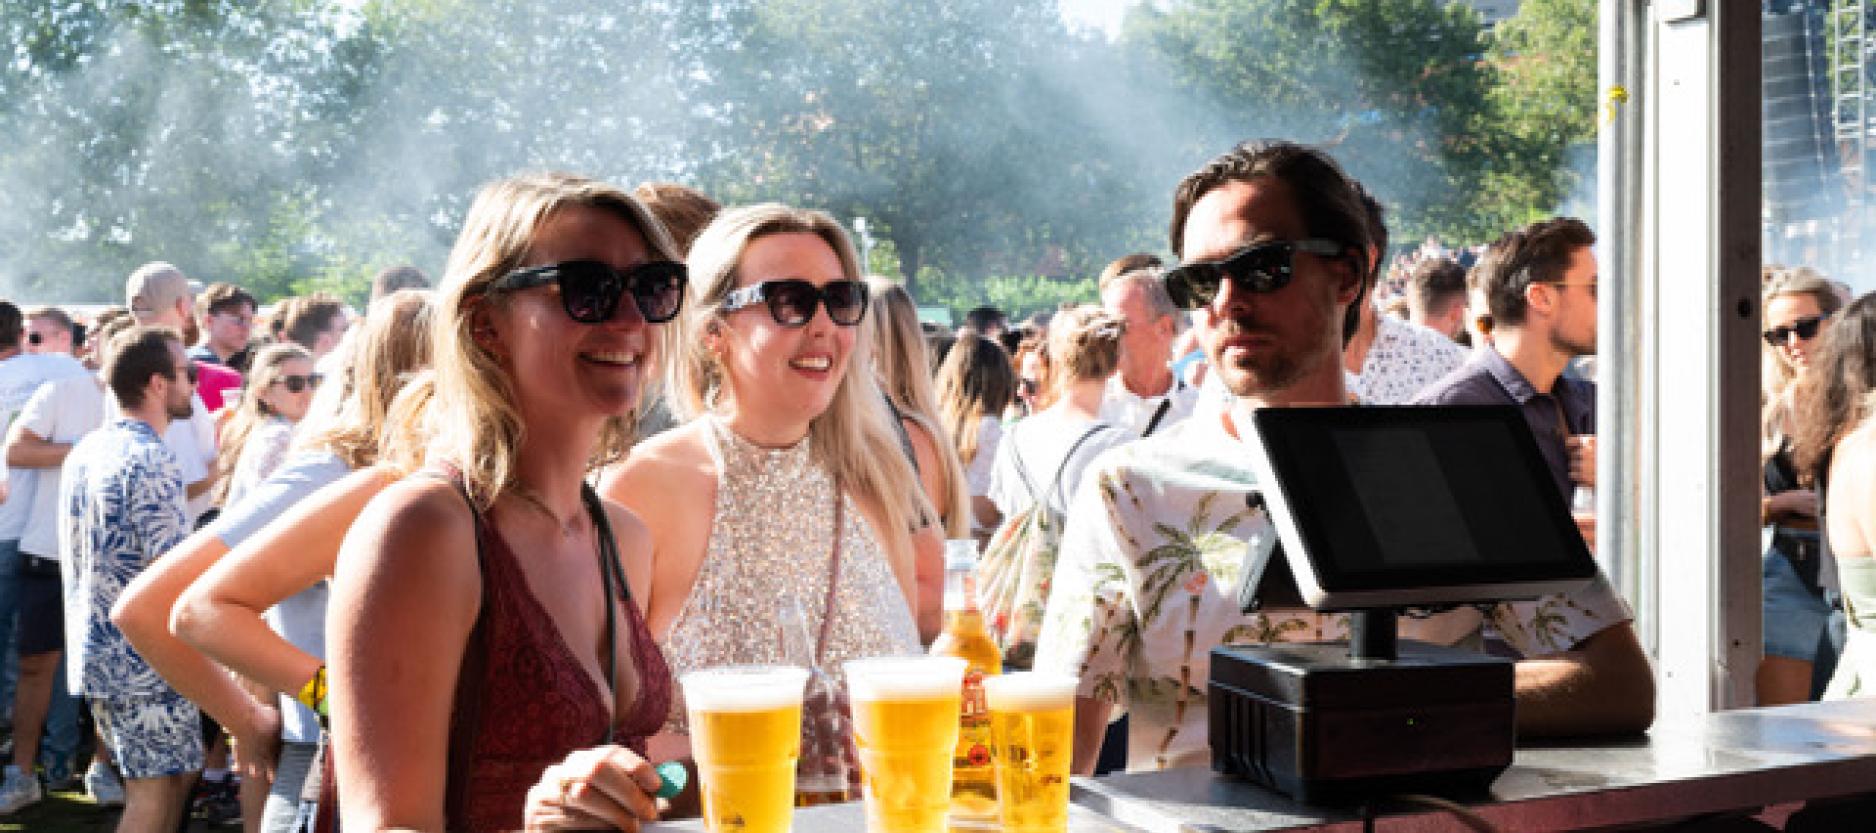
(1797, 305)
(255, 439)
(789, 487)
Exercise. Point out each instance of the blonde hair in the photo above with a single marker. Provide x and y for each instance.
(853, 439)
(267, 368)
(1084, 343)
(1777, 377)
(904, 363)
(473, 422)
(350, 414)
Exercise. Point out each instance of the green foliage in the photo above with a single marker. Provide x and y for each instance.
(1543, 107)
(299, 144)
(1392, 86)
(1019, 296)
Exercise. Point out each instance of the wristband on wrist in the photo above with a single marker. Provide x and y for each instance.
(313, 694)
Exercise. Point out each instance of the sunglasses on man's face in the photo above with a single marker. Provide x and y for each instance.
(590, 290)
(295, 384)
(1804, 328)
(1264, 267)
(792, 302)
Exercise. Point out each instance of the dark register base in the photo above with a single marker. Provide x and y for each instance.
(1737, 760)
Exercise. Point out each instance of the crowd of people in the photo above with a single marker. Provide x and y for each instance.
(436, 566)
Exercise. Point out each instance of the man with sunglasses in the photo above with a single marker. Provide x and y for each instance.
(225, 317)
(120, 508)
(1275, 249)
(49, 330)
(1540, 284)
(21, 374)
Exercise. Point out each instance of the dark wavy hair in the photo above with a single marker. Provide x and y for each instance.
(1329, 201)
(1537, 253)
(1833, 398)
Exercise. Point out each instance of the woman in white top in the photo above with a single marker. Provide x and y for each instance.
(788, 485)
(279, 390)
(975, 383)
(1084, 349)
(905, 378)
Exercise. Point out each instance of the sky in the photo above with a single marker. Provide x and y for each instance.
(1104, 15)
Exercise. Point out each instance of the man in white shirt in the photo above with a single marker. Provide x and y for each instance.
(59, 414)
(158, 294)
(1145, 396)
(21, 373)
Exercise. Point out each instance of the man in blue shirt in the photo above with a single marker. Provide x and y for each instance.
(122, 507)
(1540, 285)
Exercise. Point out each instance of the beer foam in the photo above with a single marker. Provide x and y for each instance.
(744, 688)
(1029, 691)
(904, 678)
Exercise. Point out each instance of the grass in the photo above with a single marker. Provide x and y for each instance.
(63, 812)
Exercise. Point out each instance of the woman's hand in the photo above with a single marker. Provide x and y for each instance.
(605, 788)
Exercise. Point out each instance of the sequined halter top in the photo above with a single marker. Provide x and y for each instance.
(771, 540)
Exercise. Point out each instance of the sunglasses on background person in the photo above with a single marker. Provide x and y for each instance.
(590, 290)
(1804, 328)
(792, 302)
(295, 384)
(1263, 267)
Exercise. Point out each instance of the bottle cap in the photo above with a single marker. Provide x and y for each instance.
(961, 554)
(672, 777)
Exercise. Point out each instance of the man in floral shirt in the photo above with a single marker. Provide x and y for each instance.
(122, 504)
(1277, 250)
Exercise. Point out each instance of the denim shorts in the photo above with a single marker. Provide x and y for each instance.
(150, 735)
(1795, 617)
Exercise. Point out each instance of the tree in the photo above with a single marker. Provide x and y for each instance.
(1392, 87)
(1543, 107)
(939, 124)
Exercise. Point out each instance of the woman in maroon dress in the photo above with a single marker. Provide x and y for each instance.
(487, 646)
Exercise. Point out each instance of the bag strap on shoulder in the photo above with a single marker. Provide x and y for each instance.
(1055, 484)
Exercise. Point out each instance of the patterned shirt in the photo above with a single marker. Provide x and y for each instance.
(1150, 560)
(121, 500)
(1404, 359)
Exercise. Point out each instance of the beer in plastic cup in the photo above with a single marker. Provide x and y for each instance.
(745, 734)
(905, 725)
(1032, 731)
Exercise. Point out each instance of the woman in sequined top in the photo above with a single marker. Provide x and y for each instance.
(789, 454)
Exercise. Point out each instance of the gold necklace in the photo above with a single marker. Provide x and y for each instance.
(568, 528)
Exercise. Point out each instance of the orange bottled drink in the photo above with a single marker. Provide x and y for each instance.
(973, 781)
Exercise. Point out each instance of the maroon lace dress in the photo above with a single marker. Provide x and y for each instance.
(523, 702)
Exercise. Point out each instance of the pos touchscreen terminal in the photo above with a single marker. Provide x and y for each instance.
(1380, 511)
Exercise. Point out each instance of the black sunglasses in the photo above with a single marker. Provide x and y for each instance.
(1264, 267)
(295, 384)
(590, 290)
(33, 339)
(792, 302)
(1805, 328)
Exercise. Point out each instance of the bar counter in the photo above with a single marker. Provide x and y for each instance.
(1728, 761)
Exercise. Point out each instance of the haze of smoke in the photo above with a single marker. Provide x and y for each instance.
(478, 90)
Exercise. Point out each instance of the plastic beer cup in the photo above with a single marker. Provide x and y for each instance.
(1032, 735)
(905, 726)
(745, 734)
